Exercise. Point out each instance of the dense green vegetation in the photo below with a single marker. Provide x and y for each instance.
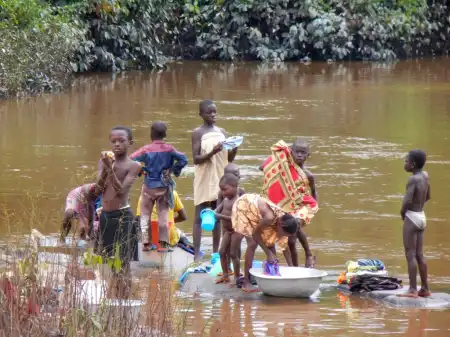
(43, 42)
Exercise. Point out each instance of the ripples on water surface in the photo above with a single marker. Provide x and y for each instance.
(361, 119)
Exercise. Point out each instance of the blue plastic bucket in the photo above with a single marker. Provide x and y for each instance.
(208, 217)
(257, 264)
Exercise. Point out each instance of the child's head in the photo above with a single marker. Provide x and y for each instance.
(158, 130)
(300, 151)
(208, 111)
(288, 225)
(121, 138)
(415, 160)
(232, 168)
(228, 185)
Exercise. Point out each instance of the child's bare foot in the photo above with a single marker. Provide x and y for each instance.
(248, 287)
(412, 293)
(221, 274)
(223, 279)
(424, 293)
(310, 261)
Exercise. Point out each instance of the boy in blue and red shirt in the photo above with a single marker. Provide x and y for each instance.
(159, 160)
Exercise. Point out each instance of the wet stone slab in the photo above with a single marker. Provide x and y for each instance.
(175, 261)
(204, 284)
(390, 298)
(435, 301)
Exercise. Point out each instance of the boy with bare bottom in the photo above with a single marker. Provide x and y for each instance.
(414, 222)
(230, 193)
(79, 205)
(231, 168)
(117, 229)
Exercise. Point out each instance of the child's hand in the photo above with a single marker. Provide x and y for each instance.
(166, 174)
(271, 257)
(216, 149)
(106, 159)
(99, 211)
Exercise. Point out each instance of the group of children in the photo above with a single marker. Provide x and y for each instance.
(288, 203)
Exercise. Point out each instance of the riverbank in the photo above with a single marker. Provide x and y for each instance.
(42, 47)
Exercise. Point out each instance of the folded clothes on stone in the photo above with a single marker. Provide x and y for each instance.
(375, 263)
(364, 265)
(368, 283)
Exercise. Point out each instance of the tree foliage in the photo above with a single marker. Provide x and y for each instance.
(42, 43)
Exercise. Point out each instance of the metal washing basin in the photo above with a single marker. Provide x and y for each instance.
(293, 282)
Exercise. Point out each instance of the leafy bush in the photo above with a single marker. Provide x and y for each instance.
(280, 30)
(121, 34)
(35, 47)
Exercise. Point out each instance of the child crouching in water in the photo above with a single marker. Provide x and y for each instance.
(231, 241)
(80, 205)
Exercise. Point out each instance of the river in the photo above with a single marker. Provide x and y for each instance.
(361, 119)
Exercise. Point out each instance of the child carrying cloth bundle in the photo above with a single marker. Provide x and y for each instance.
(291, 187)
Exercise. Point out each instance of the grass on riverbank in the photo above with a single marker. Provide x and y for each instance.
(54, 292)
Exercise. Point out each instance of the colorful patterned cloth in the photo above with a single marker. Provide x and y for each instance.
(245, 216)
(287, 185)
(272, 269)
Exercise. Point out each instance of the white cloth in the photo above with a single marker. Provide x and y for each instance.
(417, 218)
(208, 174)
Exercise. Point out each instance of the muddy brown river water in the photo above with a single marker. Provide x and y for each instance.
(361, 119)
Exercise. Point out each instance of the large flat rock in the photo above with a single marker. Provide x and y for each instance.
(390, 298)
(435, 301)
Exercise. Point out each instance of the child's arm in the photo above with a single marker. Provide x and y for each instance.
(312, 185)
(123, 188)
(180, 162)
(181, 216)
(261, 167)
(102, 177)
(218, 212)
(288, 257)
(219, 200)
(232, 154)
(223, 217)
(267, 218)
(197, 149)
(407, 199)
(219, 208)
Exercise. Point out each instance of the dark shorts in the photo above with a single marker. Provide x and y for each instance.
(118, 230)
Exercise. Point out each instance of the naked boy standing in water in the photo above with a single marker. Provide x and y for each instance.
(414, 222)
(210, 160)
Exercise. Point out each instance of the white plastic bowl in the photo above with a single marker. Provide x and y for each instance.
(293, 282)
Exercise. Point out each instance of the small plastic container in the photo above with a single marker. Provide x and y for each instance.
(208, 217)
(257, 264)
(216, 266)
(215, 257)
